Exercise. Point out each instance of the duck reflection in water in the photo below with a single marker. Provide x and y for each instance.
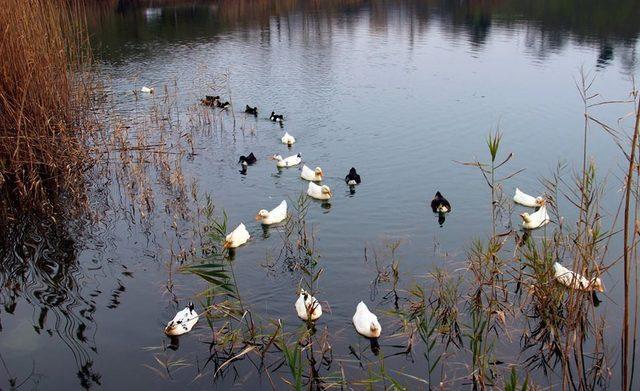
(265, 231)
(231, 254)
(174, 342)
(441, 219)
(375, 346)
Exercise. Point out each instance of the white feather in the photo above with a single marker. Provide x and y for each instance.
(535, 220)
(287, 162)
(237, 237)
(365, 322)
(311, 175)
(318, 192)
(182, 323)
(307, 307)
(527, 200)
(574, 280)
(276, 215)
(288, 139)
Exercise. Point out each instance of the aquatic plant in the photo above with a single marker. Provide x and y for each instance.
(45, 96)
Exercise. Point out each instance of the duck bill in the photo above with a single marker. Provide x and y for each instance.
(169, 331)
(226, 245)
(258, 217)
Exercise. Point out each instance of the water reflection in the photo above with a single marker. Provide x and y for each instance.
(375, 346)
(548, 25)
(39, 269)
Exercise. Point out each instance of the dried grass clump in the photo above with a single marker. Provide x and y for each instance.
(43, 103)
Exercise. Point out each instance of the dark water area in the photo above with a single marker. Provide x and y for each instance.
(401, 90)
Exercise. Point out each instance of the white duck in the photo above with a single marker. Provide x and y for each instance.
(276, 215)
(288, 162)
(535, 220)
(311, 175)
(527, 200)
(183, 322)
(237, 237)
(365, 322)
(288, 139)
(318, 192)
(307, 306)
(574, 280)
(147, 90)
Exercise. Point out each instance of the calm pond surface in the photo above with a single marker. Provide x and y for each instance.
(400, 90)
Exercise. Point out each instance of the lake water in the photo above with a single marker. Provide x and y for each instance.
(402, 91)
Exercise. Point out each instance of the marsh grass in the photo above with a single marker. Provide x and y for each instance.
(45, 96)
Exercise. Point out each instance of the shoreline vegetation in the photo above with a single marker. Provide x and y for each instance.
(455, 322)
(45, 97)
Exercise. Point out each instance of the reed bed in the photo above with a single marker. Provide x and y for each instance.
(44, 103)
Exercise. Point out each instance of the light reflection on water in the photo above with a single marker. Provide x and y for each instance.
(399, 90)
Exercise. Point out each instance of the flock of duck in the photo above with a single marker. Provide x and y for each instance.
(307, 307)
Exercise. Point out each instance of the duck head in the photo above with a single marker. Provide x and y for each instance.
(318, 171)
(171, 329)
(262, 214)
(243, 159)
(526, 217)
(352, 171)
(375, 329)
(276, 157)
(597, 284)
(227, 244)
(326, 190)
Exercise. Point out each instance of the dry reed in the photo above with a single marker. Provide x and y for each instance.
(43, 103)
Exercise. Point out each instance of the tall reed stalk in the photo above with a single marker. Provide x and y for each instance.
(627, 250)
